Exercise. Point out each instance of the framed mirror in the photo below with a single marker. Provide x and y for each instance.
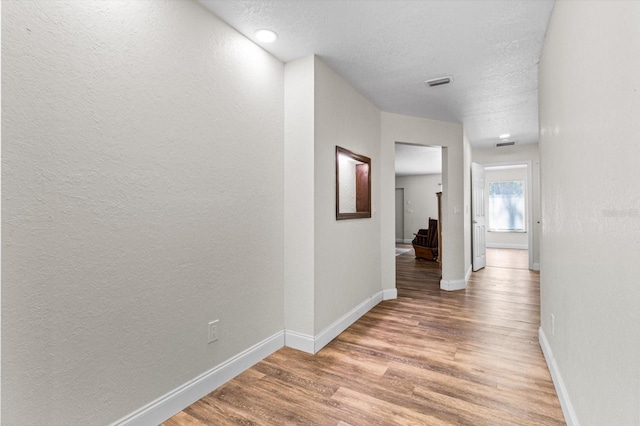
(353, 185)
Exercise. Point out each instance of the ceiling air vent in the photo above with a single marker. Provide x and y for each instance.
(439, 81)
(505, 143)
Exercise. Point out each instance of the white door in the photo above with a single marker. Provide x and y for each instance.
(478, 216)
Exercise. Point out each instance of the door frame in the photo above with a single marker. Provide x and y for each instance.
(478, 219)
(529, 189)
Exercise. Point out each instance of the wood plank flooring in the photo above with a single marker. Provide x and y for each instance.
(430, 357)
(508, 258)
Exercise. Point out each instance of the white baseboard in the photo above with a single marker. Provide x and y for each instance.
(312, 345)
(567, 408)
(389, 293)
(507, 246)
(299, 341)
(340, 325)
(407, 241)
(452, 285)
(536, 266)
(468, 275)
(178, 399)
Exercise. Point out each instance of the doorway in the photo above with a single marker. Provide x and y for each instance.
(509, 220)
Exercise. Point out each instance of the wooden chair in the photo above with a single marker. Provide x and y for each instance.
(425, 243)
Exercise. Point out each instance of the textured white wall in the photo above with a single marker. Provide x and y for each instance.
(467, 160)
(142, 197)
(589, 151)
(347, 252)
(422, 131)
(420, 201)
(500, 239)
(299, 210)
(527, 152)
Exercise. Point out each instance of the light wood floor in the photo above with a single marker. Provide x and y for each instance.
(507, 258)
(429, 357)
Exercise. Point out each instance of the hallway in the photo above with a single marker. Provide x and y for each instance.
(429, 357)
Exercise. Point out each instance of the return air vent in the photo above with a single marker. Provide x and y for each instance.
(505, 143)
(439, 81)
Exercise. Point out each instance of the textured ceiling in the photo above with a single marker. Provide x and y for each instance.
(387, 49)
(418, 160)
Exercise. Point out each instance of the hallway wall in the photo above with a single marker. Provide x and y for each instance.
(590, 245)
(347, 252)
(142, 197)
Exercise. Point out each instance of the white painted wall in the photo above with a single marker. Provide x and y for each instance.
(422, 131)
(467, 160)
(142, 197)
(299, 204)
(590, 257)
(347, 252)
(519, 153)
(420, 201)
(517, 240)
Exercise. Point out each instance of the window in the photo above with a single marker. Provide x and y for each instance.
(506, 206)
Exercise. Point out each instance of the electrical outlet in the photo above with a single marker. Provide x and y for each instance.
(213, 331)
(553, 325)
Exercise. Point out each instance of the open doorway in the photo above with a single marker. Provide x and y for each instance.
(508, 204)
(418, 178)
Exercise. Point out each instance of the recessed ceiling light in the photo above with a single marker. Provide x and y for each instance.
(504, 136)
(266, 36)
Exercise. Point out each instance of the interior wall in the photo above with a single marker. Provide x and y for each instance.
(299, 203)
(142, 197)
(420, 201)
(513, 240)
(400, 215)
(422, 131)
(347, 252)
(589, 154)
(467, 160)
(519, 153)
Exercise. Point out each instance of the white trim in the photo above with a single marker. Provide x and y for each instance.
(340, 325)
(536, 266)
(507, 246)
(176, 400)
(468, 275)
(399, 240)
(452, 285)
(299, 341)
(389, 293)
(407, 241)
(567, 408)
(312, 345)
